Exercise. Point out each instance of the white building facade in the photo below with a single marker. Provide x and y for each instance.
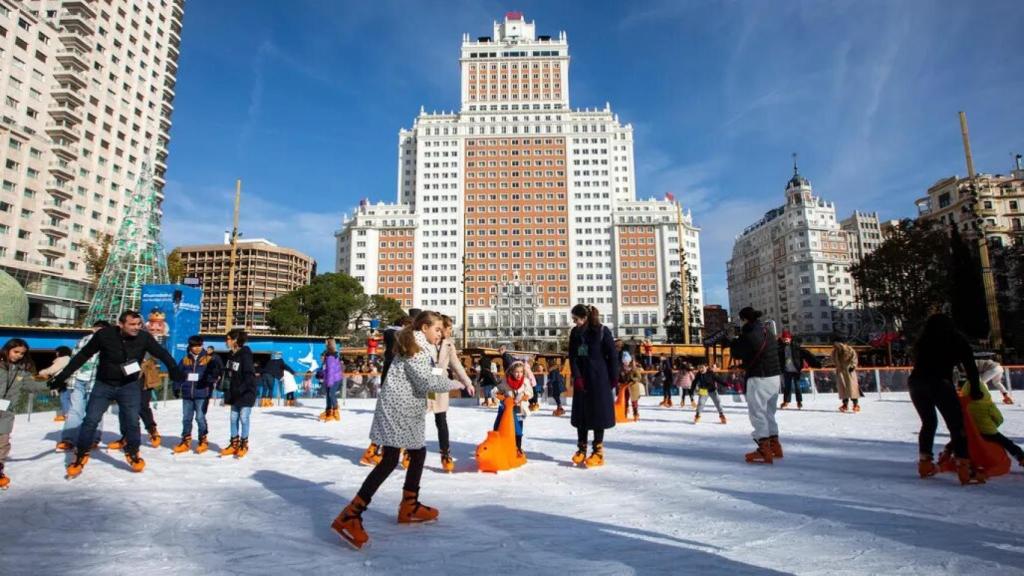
(794, 264)
(87, 90)
(529, 201)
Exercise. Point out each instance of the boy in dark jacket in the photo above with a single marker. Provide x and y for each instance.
(706, 382)
(200, 376)
(792, 357)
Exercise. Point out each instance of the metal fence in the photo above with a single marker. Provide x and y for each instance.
(822, 381)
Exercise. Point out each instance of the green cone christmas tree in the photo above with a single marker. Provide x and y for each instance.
(136, 255)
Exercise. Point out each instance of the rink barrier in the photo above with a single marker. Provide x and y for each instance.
(872, 380)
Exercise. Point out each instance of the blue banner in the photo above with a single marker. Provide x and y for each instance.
(170, 312)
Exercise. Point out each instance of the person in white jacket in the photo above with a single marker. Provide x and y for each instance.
(398, 423)
(991, 372)
(437, 402)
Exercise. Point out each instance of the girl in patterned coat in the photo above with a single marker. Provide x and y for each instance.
(398, 423)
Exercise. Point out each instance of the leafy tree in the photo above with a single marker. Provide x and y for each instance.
(286, 316)
(908, 276)
(383, 308)
(967, 291)
(175, 266)
(674, 314)
(96, 255)
(1008, 268)
(329, 305)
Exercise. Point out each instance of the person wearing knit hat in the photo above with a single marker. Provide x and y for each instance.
(792, 358)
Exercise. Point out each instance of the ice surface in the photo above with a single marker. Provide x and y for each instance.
(673, 498)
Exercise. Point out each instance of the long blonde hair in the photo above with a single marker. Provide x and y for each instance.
(406, 339)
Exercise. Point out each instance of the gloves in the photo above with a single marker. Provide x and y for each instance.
(577, 384)
(177, 393)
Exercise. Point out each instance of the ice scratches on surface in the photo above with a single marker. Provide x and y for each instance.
(673, 498)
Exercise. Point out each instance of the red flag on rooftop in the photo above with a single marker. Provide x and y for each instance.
(670, 197)
(514, 16)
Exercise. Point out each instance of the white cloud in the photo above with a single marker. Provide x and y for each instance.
(201, 216)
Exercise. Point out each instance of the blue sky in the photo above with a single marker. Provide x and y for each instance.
(303, 100)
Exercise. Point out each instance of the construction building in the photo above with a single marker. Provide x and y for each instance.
(263, 271)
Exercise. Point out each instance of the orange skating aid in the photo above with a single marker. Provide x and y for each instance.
(620, 406)
(498, 451)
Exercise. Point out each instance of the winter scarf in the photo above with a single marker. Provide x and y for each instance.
(513, 383)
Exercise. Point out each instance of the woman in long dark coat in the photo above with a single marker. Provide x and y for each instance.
(594, 367)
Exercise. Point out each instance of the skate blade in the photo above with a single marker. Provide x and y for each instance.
(348, 540)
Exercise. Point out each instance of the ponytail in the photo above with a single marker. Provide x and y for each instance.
(406, 338)
(589, 312)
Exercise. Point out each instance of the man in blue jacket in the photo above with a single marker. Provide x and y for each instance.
(200, 375)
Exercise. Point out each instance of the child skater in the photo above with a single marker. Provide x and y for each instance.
(706, 382)
(556, 385)
(398, 423)
(517, 386)
(988, 418)
(683, 379)
(15, 375)
(437, 402)
(635, 380)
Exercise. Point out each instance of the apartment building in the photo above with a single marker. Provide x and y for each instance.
(519, 206)
(87, 90)
(999, 205)
(794, 265)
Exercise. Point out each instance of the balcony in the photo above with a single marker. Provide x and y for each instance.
(55, 228)
(60, 189)
(75, 19)
(70, 76)
(82, 6)
(52, 247)
(58, 210)
(63, 129)
(64, 148)
(67, 92)
(65, 112)
(76, 39)
(74, 57)
(62, 169)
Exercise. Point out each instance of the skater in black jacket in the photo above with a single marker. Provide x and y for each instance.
(121, 350)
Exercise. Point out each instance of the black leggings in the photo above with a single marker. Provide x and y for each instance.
(1006, 443)
(146, 411)
(581, 436)
(929, 396)
(387, 465)
(441, 420)
(687, 392)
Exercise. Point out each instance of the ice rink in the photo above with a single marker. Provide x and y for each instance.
(673, 498)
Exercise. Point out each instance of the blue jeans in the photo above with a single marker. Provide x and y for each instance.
(193, 409)
(332, 399)
(240, 413)
(275, 389)
(128, 398)
(65, 401)
(75, 413)
(791, 380)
